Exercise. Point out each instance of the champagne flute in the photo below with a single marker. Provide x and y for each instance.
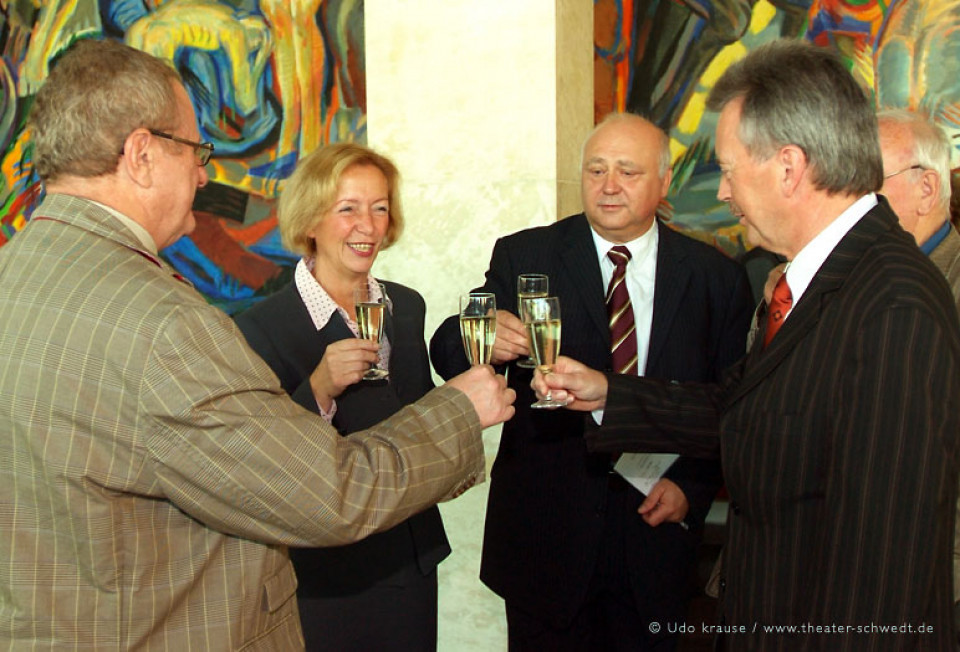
(544, 329)
(530, 286)
(478, 326)
(369, 306)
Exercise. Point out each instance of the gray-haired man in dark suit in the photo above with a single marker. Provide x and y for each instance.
(838, 430)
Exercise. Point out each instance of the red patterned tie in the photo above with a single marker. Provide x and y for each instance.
(623, 335)
(780, 304)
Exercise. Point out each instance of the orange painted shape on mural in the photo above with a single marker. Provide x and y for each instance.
(332, 109)
(227, 254)
(623, 66)
(249, 235)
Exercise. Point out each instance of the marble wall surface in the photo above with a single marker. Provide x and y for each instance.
(483, 106)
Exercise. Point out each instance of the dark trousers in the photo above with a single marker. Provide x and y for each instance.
(608, 620)
(387, 617)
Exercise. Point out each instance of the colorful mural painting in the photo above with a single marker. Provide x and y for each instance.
(661, 57)
(273, 79)
(270, 79)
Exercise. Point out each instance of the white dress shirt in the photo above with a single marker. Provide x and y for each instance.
(805, 265)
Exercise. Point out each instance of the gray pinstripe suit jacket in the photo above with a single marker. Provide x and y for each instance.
(151, 467)
(839, 447)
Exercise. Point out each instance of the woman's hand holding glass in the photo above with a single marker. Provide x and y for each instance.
(344, 363)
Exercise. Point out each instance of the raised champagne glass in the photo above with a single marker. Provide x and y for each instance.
(530, 286)
(543, 326)
(478, 326)
(369, 304)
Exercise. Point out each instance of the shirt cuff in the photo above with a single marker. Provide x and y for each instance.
(328, 416)
(597, 416)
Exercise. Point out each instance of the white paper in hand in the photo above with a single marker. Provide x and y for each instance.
(642, 470)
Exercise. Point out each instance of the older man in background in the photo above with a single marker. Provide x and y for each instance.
(152, 470)
(916, 182)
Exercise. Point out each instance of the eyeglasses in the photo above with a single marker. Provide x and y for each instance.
(201, 151)
(912, 167)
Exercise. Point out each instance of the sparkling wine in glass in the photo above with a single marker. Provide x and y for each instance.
(530, 286)
(369, 306)
(543, 327)
(478, 326)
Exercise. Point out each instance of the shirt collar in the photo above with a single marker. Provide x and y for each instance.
(142, 235)
(639, 248)
(804, 266)
(318, 301)
(934, 240)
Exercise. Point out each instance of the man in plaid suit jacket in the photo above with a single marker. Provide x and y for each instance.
(152, 470)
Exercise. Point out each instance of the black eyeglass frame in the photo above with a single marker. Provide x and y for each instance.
(201, 151)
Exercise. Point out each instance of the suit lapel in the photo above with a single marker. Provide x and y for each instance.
(672, 278)
(399, 368)
(336, 329)
(388, 326)
(579, 258)
(815, 300)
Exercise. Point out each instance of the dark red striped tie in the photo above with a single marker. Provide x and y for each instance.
(623, 331)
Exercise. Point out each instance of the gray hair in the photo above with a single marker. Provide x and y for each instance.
(931, 147)
(613, 117)
(795, 93)
(97, 94)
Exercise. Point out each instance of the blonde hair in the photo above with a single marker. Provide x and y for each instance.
(311, 191)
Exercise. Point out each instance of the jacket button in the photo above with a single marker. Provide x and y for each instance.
(736, 508)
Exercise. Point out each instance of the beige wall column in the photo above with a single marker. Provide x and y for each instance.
(483, 106)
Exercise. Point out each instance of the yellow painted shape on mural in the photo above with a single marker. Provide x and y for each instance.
(689, 120)
(763, 13)
(863, 70)
(677, 149)
(18, 223)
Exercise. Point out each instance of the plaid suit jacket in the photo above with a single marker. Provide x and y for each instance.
(152, 470)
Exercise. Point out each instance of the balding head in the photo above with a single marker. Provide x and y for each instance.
(916, 166)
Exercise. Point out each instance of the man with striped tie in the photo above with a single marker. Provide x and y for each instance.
(564, 546)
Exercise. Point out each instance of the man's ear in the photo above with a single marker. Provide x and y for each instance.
(793, 166)
(665, 183)
(136, 160)
(929, 189)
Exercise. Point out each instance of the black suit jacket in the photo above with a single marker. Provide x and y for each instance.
(279, 328)
(839, 444)
(548, 495)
